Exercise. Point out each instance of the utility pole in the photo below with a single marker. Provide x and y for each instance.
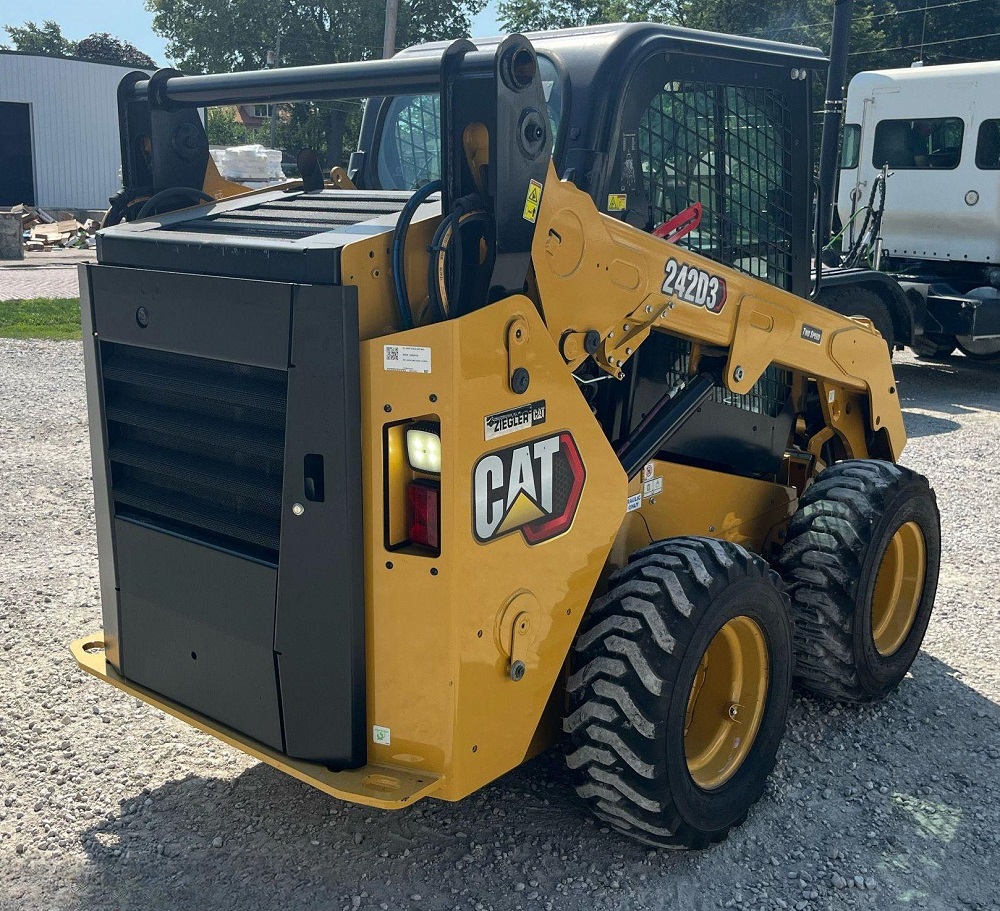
(389, 40)
(833, 116)
(275, 62)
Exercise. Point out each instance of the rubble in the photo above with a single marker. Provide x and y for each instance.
(42, 230)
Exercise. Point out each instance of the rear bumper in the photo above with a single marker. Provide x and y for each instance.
(964, 316)
(384, 787)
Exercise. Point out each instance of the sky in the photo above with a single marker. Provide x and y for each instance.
(129, 19)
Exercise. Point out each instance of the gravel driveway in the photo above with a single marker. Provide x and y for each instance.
(107, 803)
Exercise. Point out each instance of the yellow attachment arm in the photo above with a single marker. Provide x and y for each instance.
(596, 274)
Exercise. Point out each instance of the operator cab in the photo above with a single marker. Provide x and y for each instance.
(651, 120)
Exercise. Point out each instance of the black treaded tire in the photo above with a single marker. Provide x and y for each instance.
(632, 668)
(933, 345)
(830, 563)
(861, 302)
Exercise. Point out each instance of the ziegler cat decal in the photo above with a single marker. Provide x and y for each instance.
(532, 487)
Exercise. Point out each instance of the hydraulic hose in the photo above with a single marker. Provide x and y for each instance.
(445, 237)
(170, 193)
(121, 204)
(399, 245)
(871, 225)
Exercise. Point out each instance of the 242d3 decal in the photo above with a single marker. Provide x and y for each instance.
(533, 488)
(696, 286)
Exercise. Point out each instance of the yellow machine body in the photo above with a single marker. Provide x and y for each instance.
(443, 632)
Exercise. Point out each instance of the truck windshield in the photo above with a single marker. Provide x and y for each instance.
(409, 148)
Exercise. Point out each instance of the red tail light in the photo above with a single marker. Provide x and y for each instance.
(424, 499)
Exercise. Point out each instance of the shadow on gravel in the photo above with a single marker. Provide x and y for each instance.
(906, 790)
(286, 845)
(926, 425)
(954, 387)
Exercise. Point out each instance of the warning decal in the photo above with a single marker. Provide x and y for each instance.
(532, 201)
(617, 202)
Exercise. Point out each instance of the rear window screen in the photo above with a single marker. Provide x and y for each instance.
(409, 149)
(932, 142)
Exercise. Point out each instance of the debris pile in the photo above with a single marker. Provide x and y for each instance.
(44, 231)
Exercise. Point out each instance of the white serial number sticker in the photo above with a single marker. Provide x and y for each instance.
(407, 358)
(694, 286)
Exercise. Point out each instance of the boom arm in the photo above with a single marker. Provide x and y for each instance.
(596, 274)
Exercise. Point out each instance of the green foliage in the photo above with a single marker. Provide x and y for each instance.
(540, 15)
(102, 46)
(884, 33)
(44, 317)
(231, 35)
(317, 125)
(48, 38)
(944, 34)
(224, 130)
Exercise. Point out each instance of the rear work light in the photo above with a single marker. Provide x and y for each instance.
(424, 519)
(423, 447)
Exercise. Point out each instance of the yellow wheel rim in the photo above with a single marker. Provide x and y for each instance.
(726, 703)
(899, 586)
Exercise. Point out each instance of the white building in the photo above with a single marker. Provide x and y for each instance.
(59, 143)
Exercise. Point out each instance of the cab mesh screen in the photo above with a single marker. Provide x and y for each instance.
(767, 397)
(729, 148)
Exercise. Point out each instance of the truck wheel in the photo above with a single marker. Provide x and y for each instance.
(933, 346)
(861, 565)
(861, 302)
(679, 691)
(986, 351)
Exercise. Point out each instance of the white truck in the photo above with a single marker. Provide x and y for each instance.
(935, 131)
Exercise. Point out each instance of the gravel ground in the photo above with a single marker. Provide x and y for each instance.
(107, 803)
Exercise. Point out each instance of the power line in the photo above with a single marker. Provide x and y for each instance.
(910, 47)
(870, 18)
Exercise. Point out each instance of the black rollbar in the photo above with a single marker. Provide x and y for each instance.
(357, 79)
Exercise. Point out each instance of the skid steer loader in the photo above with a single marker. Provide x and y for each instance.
(401, 473)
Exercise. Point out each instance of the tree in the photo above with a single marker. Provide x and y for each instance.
(107, 48)
(540, 15)
(884, 33)
(223, 129)
(46, 38)
(945, 32)
(232, 35)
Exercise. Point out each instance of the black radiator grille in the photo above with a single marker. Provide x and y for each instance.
(196, 446)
